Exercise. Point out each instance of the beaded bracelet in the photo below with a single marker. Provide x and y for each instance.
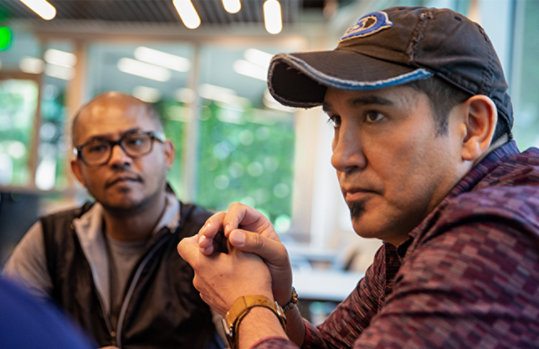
(293, 300)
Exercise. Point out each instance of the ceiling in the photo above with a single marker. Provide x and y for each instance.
(211, 12)
(151, 22)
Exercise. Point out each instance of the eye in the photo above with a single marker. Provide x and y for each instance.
(97, 147)
(136, 141)
(373, 116)
(334, 120)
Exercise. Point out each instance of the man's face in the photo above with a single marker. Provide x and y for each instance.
(392, 166)
(124, 184)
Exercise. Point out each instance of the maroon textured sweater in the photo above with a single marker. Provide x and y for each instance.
(468, 277)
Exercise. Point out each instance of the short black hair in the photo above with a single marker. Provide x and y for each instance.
(443, 97)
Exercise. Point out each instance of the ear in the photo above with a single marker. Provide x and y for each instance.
(480, 123)
(170, 151)
(75, 168)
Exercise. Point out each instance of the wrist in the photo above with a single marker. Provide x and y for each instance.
(241, 308)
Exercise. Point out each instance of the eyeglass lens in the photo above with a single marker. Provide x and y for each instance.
(98, 151)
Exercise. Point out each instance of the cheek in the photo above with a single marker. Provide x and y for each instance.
(408, 170)
(91, 178)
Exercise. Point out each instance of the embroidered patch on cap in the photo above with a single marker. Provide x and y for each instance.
(367, 25)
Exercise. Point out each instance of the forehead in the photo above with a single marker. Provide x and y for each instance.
(112, 117)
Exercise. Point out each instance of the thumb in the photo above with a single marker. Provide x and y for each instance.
(271, 250)
(188, 248)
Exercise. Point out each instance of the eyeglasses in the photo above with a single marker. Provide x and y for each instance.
(98, 151)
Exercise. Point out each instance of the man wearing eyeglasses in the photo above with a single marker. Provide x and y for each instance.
(112, 264)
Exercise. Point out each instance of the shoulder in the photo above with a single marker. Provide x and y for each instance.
(59, 222)
(194, 213)
(71, 212)
(506, 195)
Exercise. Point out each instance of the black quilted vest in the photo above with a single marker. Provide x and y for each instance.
(161, 308)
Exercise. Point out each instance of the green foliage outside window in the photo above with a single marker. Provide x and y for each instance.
(172, 114)
(18, 102)
(52, 142)
(246, 156)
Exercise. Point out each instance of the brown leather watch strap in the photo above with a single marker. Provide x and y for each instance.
(241, 307)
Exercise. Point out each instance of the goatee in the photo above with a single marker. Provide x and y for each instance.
(357, 208)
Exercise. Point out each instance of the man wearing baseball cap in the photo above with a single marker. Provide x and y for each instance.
(425, 160)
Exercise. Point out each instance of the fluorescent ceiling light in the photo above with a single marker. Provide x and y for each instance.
(31, 65)
(145, 70)
(147, 94)
(232, 6)
(185, 95)
(164, 59)
(62, 58)
(249, 69)
(42, 8)
(220, 94)
(187, 12)
(258, 57)
(255, 65)
(272, 16)
(59, 72)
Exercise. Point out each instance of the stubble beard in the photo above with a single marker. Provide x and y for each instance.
(132, 207)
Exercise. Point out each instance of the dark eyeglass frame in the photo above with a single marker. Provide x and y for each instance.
(154, 136)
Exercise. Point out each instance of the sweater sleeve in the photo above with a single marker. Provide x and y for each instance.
(472, 286)
(345, 324)
(27, 264)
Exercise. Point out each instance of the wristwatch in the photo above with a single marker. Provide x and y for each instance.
(241, 307)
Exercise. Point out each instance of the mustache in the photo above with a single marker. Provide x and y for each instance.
(125, 177)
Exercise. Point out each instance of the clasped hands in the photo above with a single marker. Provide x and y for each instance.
(256, 263)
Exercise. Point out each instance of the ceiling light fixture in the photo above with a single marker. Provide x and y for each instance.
(258, 57)
(220, 94)
(58, 57)
(232, 6)
(31, 65)
(147, 94)
(59, 72)
(42, 8)
(273, 21)
(145, 70)
(164, 59)
(250, 69)
(187, 12)
(255, 64)
(185, 95)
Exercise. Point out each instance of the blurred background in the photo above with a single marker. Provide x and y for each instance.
(203, 63)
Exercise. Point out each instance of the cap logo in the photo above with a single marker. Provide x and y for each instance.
(368, 25)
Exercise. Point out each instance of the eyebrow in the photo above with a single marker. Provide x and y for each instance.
(108, 137)
(361, 101)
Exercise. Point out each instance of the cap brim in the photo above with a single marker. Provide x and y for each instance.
(301, 79)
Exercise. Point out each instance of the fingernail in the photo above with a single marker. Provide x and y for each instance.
(237, 239)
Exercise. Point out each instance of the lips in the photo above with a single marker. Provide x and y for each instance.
(356, 194)
(358, 190)
(123, 178)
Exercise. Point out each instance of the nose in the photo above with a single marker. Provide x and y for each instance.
(348, 150)
(118, 156)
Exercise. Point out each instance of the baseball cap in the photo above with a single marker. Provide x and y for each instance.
(393, 47)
